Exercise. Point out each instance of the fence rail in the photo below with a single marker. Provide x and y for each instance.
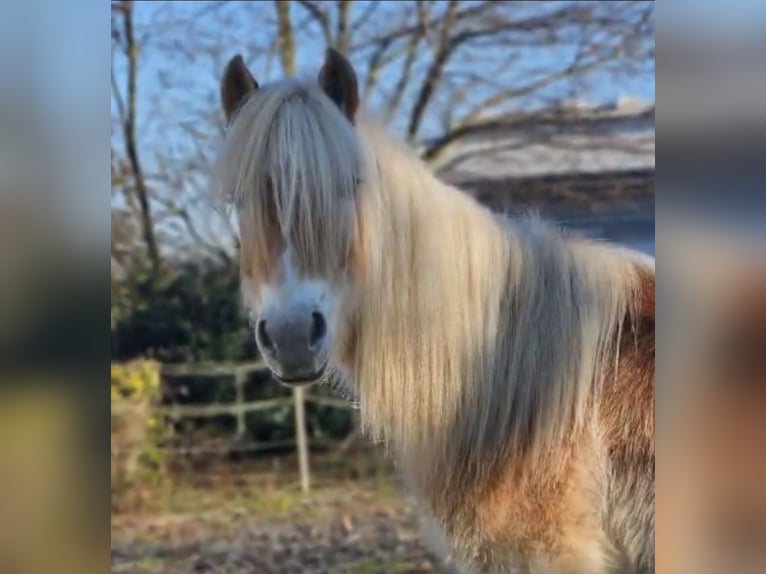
(211, 369)
(240, 407)
(237, 408)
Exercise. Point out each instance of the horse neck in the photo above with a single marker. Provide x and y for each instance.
(470, 333)
(433, 256)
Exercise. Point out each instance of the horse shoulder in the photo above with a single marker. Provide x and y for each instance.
(628, 425)
(628, 399)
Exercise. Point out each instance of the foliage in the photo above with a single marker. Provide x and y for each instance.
(138, 461)
(190, 313)
(139, 380)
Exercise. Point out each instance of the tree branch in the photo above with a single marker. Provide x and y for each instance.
(320, 17)
(403, 32)
(285, 37)
(374, 67)
(341, 35)
(566, 16)
(572, 69)
(444, 51)
(129, 131)
(183, 214)
(122, 113)
(372, 7)
(409, 62)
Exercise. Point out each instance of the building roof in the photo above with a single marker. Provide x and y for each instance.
(564, 140)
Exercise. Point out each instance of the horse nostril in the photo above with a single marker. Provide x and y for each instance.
(318, 329)
(263, 337)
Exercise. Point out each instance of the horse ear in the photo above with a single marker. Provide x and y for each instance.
(236, 85)
(338, 80)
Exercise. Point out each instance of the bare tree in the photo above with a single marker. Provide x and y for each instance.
(436, 71)
(124, 38)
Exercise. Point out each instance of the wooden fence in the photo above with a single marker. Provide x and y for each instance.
(240, 407)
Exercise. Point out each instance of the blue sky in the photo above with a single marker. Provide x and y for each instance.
(196, 24)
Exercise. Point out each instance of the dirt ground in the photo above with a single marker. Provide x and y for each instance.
(350, 528)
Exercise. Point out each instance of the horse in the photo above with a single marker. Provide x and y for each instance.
(506, 365)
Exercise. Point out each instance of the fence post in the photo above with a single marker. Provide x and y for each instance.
(301, 440)
(240, 376)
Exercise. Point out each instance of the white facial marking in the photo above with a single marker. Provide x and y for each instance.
(291, 298)
(290, 291)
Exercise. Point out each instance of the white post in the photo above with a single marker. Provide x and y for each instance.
(240, 376)
(301, 440)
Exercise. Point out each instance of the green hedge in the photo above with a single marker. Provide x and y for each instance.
(192, 313)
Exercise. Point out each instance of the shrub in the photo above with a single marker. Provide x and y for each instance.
(138, 461)
(193, 312)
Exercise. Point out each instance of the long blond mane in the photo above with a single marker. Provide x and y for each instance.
(482, 339)
(477, 339)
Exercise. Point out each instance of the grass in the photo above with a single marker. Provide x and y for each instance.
(245, 524)
(265, 486)
(235, 518)
(371, 566)
(259, 495)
